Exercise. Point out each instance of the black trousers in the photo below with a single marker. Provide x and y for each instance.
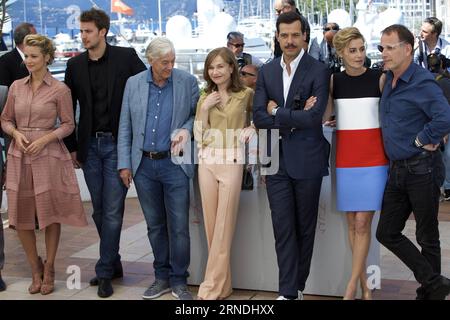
(294, 205)
(414, 186)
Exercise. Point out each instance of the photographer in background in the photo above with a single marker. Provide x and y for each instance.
(235, 42)
(438, 64)
(430, 42)
(327, 52)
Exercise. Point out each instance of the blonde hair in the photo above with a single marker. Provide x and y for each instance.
(343, 37)
(43, 43)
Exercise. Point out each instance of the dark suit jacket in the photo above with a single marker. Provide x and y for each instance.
(305, 149)
(122, 64)
(12, 68)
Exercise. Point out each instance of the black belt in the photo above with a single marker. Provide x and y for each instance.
(101, 134)
(423, 155)
(156, 155)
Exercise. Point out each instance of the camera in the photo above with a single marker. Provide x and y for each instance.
(379, 65)
(437, 61)
(334, 64)
(241, 62)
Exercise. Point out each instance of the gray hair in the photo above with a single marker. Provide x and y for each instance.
(235, 35)
(159, 47)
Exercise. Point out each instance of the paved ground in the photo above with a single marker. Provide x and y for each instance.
(79, 247)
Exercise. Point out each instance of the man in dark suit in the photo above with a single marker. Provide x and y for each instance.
(97, 80)
(12, 67)
(282, 89)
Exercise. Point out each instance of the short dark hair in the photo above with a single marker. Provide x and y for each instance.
(99, 17)
(291, 17)
(436, 23)
(305, 26)
(403, 33)
(21, 31)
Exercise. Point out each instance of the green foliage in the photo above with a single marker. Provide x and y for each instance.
(320, 5)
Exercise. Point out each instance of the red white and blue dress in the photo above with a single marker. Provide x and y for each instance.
(361, 163)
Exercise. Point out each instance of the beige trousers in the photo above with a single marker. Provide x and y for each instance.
(220, 188)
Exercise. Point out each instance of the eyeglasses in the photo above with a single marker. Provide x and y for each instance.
(335, 28)
(236, 45)
(389, 47)
(245, 73)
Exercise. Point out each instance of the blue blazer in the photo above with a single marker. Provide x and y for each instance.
(305, 149)
(130, 141)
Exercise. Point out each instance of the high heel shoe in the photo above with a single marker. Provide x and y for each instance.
(350, 293)
(366, 294)
(48, 284)
(37, 274)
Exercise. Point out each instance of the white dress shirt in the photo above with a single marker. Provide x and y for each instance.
(287, 78)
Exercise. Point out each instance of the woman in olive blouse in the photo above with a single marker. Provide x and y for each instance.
(221, 125)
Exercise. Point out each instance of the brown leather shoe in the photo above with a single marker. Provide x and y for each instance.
(48, 284)
(37, 274)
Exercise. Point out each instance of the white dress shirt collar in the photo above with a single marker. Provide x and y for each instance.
(21, 53)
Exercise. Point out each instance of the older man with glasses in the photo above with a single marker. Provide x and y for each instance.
(327, 52)
(414, 117)
(235, 42)
(248, 75)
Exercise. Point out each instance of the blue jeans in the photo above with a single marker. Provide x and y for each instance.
(108, 200)
(163, 191)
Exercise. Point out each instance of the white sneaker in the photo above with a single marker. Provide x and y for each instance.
(300, 295)
(284, 298)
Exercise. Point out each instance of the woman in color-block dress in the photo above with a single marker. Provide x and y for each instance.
(361, 164)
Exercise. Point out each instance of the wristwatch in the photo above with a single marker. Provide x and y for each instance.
(274, 111)
(418, 143)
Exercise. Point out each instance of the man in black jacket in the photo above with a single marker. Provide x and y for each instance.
(97, 80)
(12, 67)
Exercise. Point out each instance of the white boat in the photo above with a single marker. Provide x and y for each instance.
(141, 38)
(66, 47)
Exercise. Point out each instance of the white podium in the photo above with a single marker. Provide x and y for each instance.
(254, 264)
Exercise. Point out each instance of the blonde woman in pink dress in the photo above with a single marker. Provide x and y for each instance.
(40, 178)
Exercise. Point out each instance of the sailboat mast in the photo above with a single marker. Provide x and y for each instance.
(24, 11)
(159, 17)
(40, 16)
